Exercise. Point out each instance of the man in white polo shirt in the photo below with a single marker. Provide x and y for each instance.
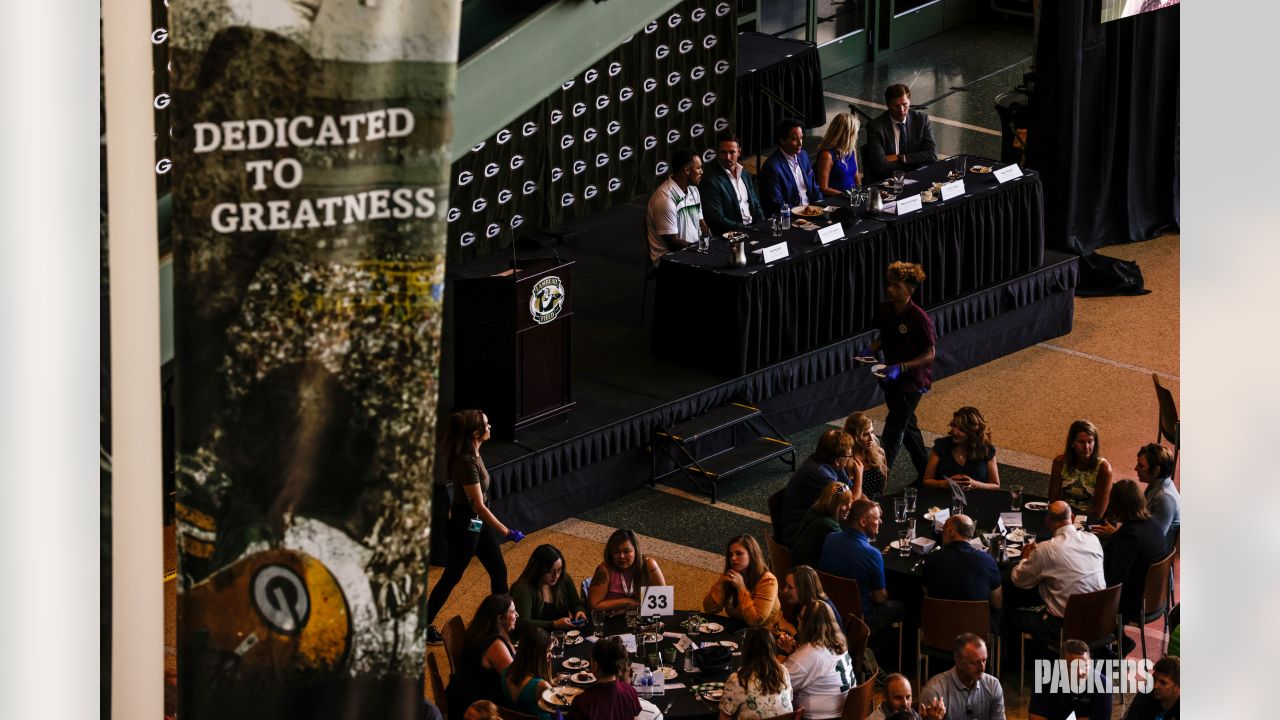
(1067, 564)
(674, 220)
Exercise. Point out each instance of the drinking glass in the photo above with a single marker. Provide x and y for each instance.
(704, 242)
(911, 528)
(775, 225)
(957, 509)
(898, 178)
(557, 645)
(911, 494)
(904, 543)
(899, 510)
(957, 167)
(633, 617)
(669, 656)
(655, 661)
(1015, 497)
(597, 623)
(695, 623)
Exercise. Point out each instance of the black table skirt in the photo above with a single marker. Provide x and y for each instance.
(732, 322)
(789, 68)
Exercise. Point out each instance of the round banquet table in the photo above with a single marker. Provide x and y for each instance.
(683, 703)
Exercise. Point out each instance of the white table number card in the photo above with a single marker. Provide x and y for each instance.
(657, 600)
(774, 253)
(909, 204)
(953, 189)
(831, 233)
(1007, 173)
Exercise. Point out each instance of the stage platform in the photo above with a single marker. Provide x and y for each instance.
(600, 451)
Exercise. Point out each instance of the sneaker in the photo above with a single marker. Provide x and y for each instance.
(434, 637)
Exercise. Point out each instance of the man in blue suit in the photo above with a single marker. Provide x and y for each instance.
(787, 176)
(729, 197)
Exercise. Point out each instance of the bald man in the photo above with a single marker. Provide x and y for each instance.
(897, 702)
(1070, 562)
(959, 571)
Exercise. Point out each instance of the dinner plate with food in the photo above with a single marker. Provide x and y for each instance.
(929, 514)
(807, 211)
(980, 169)
(560, 697)
(711, 628)
(734, 235)
(804, 225)
(1036, 506)
(582, 678)
(577, 663)
(668, 672)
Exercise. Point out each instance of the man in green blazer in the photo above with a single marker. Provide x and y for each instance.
(729, 197)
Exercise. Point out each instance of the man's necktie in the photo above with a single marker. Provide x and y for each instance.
(902, 138)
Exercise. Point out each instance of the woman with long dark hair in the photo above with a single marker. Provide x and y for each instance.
(965, 454)
(486, 651)
(761, 686)
(1080, 475)
(1135, 545)
(545, 594)
(473, 530)
(524, 680)
(616, 584)
(746, 590)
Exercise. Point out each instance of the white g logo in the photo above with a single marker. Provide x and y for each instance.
(650, 142)
(504, 196)
(602, 102)
(696, 130)
(589, 134)
(503, 136)
(697, 72)
(722, 124)
(567, 84)
(708, 155)
(566, 142)
(660, 169)
(478, 146)
(661, 110)
(662, 52)
(530, 187)
(709, 42)
(530, 128)
(493, 230)
(556, 174)
(555, 116)
(650, 85)
(464, 178)
(613, 127)
(673, 137)
(602, 159)
(625, 153)
(479, 204)
(722, 67)
(566, 200)
(614, 68)
(625, 94)
(579, 108)
(591, 75)
(589, 192)
(673, 20)
(697, 14)
(467, 238)
(517, 162)
(614, 184)
(709, 99)
(673, 78)
(454, 214)
(685, 104)
(516, 221)
(490, 170)
(722, 9)
(685, 46)
(651, 28)
(579, 167)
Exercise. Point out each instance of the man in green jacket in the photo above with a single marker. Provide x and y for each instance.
(729, 197)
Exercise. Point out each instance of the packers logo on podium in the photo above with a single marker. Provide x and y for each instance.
(546, 300)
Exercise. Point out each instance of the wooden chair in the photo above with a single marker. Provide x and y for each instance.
(844, 592)
(856, 633)
(941, 621)
(857, 702)
(779, 558)
(452, 635)
(1167, 426)
(1155, 601)
(437, 684)
(507, 713)
(775, 510)
(1092, 617)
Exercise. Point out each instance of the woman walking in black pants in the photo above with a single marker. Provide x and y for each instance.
(473, 531)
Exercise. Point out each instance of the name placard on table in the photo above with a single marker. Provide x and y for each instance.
(657, 600)
(909, 204)
(953, 189)
(1007, 173)
(774, 252)
(831, 233)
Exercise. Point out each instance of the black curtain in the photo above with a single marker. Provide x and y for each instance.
(1104, 125)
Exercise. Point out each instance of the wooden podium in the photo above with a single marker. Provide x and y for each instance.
(513, 335)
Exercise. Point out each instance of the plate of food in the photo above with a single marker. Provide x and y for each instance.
(582, 678)
(807, 211)
(980, 169)
(560, 697)
(729, 644)
(804, 225)
(577, 663)
(734, 235)
(1017, 535)
(928, 197)
(668, 672)
(1012, 552)
(711, 628)
(571, 639)
(573, 634)
(1036, 506)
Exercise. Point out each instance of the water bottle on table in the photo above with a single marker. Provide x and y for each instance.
(786, 218)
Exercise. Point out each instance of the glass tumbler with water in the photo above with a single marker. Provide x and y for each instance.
(1015, 497)
(557, 645)
(775, 225)
(911, 528)
(904, 543)
(911, 494)
(899, 510)
(957, 167)
(704, 242)
(597, 623)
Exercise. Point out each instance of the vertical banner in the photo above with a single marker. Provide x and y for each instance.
(310, 148)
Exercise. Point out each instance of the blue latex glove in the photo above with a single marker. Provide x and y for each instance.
(892, 372)
(515, 535)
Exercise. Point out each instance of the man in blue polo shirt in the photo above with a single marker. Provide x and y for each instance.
(959, 571)
(850, 554)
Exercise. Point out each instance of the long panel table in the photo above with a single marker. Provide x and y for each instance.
(732, 321)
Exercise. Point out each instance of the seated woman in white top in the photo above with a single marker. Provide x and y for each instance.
(820, 667)
(761, 687)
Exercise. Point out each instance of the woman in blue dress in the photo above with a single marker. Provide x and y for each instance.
(836, 168)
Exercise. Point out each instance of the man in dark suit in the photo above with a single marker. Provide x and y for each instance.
(729, 198)
(899, 139)
(787, 176)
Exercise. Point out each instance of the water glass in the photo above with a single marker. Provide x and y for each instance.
(904, 543)
(899, 178)
(899, 510)
(775, 225)
(910, 494)
(557, 645)
(1015, 497)
(911, 528)
(704, 243)
(597, 623)
(633, 617)
(957, 509)
(695, 623)
(655, 661)
(957, 167)
(669, 655)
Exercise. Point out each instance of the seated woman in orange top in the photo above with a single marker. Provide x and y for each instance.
(747, 590)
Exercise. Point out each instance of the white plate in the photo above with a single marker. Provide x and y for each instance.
(713, 694)
(980, 169)
(668, 672)
(729, 644)
(1017, 535)
(569, 693)
(573, 639)
(897, 544)
(573, 634)
(1036, 506)
(582, 678)
(1012, 552)
(734, 235)
(797, 211)
(878, 369)
(711, 627)
(577, 664)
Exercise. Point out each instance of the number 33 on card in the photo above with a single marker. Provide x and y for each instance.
(657, 600)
